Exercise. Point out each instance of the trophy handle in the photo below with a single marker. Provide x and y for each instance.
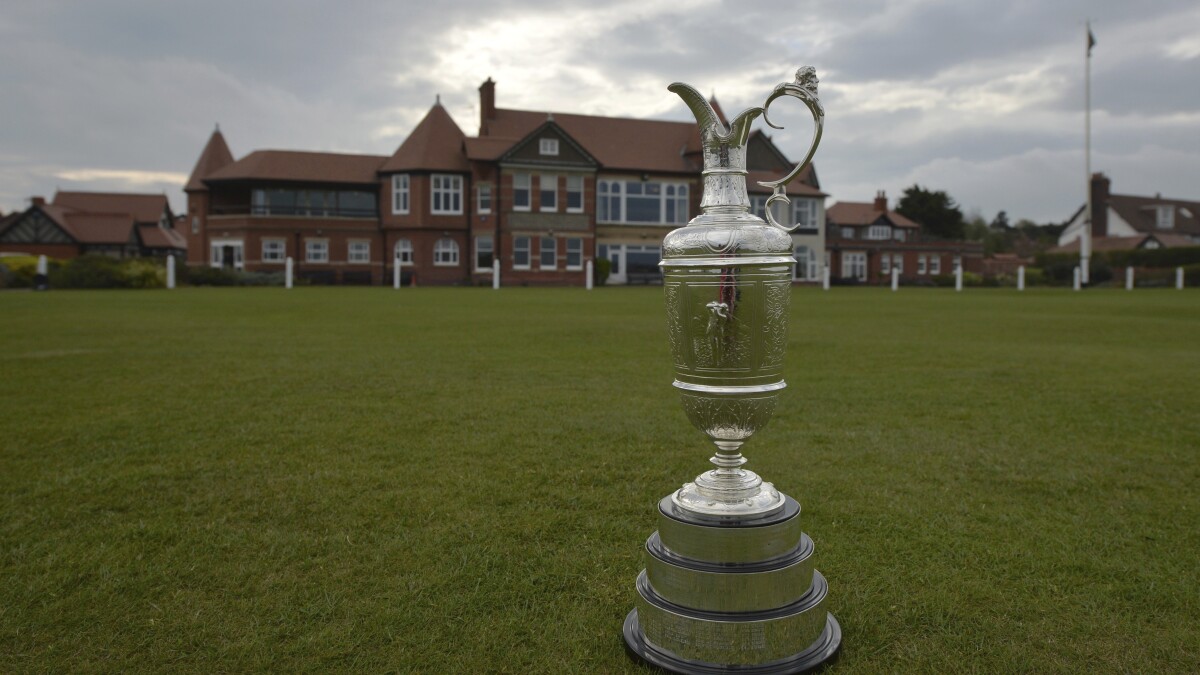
(805, 89)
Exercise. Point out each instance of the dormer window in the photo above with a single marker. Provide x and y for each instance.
(548, 146)
(1165, 217)
(879, 232)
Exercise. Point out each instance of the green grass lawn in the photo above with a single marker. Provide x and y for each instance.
(461, 480)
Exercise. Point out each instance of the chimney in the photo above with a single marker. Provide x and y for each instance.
(487, 105)
(881, 201)
(38, 201)
(1100, 187)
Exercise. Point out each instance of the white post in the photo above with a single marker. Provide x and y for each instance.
(958, 278)
(495, 275)
(171, 271)
(1179, 278)
(1075, 285)
(1021, 278)
(1129, 278)
(895, 279)
(41, 283)
(587, 272)
(825, 277)
(287, 273)
(396, 275)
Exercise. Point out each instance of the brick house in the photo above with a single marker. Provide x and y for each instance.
(866, 240)
(1132, 221)
(540, 192)
(117, 224)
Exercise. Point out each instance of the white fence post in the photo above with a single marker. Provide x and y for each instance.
(396, 275)
(1179, 278)
(958, 278)
(825, 277)
(42, 282)
(895, 279)
(1021, 278)
(587, 272)
(1129, 278)
(1075, 284)
(287, 273)
(171, 271)
(495, 275)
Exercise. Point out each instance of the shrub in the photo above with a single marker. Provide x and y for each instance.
(89, 271)
(1034, 276)
(203, 275)
(18, 271)
(143, 273)
(601, 271)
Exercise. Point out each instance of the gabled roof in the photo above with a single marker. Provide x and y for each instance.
(617, 143)
(302, 167)
(153, 236)
(99, 228)
(557, 132)
(215, 155)
(142, 208)
(864, 213)
(1164, 240)
(1141, 213)
(436, 144)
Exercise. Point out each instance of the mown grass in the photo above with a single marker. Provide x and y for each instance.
(460, 480)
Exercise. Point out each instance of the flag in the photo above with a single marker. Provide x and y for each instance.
(1091, 41)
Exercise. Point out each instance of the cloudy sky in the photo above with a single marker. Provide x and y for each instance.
(981, 99)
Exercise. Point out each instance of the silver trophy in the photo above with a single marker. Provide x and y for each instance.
(729, 583)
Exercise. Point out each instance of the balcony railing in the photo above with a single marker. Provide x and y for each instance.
(292, 211)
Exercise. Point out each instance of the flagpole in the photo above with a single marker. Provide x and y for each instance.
(1085, 242)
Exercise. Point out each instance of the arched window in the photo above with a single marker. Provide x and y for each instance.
(404, 252)
(806, 264)
(445, 252)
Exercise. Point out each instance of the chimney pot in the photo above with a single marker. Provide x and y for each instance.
(38, 201)
(881, 201)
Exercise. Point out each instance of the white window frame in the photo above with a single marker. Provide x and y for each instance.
(362, 257)
(574, 186)
(957, 262)
(885, 264)
(195, 224)
(445, 248)
(846, 232)
(400, 193)
(856, 260)
(899, 234)
(1164, 217)
(619, 190)
(548, 146)
(309, 250)
(805, 255)
(447, 187)
(922, 264)
(479, 248)
(522, 244)
(267, 255)
(523, 181)
(935, 264)
(542, 253)
(575, 243)
(879, 232)
(898, 262)
(804, 212)
(483, 195)
(402, 250)
(552, 178)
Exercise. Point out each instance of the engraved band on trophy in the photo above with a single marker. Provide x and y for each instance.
(729, 583)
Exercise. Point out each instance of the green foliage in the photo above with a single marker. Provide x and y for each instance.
(1106, 265)
(938, 214)
(1035, 276)
(19, 271)
(601, 270)
(203, 275)
(100, 271)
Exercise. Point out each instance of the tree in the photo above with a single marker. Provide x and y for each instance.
(1001, 221)
(936, 212)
